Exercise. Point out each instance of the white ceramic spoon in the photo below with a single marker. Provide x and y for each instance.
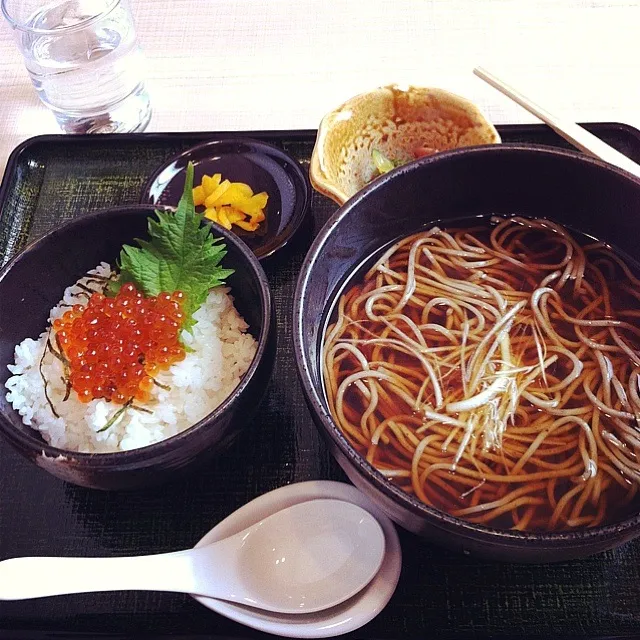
(347, 616)
(305, 558)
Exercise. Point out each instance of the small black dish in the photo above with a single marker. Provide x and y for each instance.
(260, 165)
(579, 192)
(34, 282)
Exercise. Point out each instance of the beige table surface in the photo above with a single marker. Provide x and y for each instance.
(279, 64)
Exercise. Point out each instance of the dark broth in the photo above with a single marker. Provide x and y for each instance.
(449, 491)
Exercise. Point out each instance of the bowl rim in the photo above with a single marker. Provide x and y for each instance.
(301, 197)
(141, 457)
(435, 517)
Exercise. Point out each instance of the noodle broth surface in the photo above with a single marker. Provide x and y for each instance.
(493, 372)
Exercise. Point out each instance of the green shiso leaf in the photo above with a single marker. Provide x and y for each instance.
(181, 255)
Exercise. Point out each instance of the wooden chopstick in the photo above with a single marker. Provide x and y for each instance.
(574, 133)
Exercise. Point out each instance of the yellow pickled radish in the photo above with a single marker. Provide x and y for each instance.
(247, 226)
(253, 205)
(212, 200)
(233, 215)
(222, 218)
(211, 183)
(211, 214)
(260, 199)
(236, 191)
(198, 196)
(229, 203)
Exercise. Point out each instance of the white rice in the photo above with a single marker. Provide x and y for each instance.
(222, 353)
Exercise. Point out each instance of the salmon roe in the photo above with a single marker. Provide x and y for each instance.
(116, 346)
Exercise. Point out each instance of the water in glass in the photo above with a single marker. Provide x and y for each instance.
(87, 68)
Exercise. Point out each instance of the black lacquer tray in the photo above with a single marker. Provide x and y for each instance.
(51, 179)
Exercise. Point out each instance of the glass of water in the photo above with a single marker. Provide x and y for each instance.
(84, 61)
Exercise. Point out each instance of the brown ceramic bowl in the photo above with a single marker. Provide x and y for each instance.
(582, 193)
(395, 121)
(34, 281)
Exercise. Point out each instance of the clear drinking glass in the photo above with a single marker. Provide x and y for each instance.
(84, 61)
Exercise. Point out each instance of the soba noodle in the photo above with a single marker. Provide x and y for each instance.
(494, 373)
